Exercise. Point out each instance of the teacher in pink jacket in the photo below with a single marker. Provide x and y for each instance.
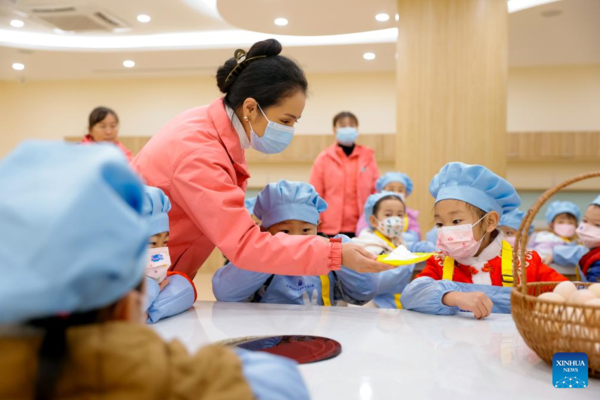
(344, 175)
(198, 160)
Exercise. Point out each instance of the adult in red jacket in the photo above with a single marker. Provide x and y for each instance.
(198, 161)
(103, 127)
(344, 175)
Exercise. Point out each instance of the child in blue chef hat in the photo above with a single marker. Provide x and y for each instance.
(168, 292)
(292, 208)
(74, 245)
(562, 218)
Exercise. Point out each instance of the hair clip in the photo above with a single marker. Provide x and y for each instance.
(239, 55)
(240, 58)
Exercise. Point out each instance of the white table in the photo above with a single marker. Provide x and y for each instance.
(390, 354)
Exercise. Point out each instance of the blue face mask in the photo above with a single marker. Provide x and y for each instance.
(276, 138)
(346, 136)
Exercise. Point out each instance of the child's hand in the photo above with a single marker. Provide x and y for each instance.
(163, 284)
(476, 302)
(547, 260)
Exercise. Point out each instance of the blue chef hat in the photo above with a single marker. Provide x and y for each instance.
(386, 179)
(285, 200)
(475, 185)
(559, 207)
(249, 204)
(73, 237)
(155, 209)
(513, 220)
(373, 199)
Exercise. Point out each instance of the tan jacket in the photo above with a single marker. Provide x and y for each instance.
(120, 360)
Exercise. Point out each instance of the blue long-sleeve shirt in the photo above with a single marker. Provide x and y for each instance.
(568, 255)
(425, 295)
(233, 284)
(259, 369)
(391, 284)
(178, 296)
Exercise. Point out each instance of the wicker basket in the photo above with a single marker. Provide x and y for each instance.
(549, 327)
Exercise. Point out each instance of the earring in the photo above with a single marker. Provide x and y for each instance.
(245, 118)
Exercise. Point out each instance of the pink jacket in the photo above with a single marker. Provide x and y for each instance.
(330, 175)
(197, 160)
(87, 139)
(413, 222)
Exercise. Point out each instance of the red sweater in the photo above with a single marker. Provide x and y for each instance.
(536, 270)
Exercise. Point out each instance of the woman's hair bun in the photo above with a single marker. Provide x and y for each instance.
(267, 48)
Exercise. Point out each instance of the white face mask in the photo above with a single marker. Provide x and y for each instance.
(391, 227)
(159, 262)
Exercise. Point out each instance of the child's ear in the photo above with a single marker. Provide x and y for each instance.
(319, 224)
(373, 220)
(492, 221)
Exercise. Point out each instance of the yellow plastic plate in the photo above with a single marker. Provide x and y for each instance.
(418, 258)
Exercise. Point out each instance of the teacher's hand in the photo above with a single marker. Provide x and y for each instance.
(360, 260)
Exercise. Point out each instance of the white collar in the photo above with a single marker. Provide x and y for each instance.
(239, 128)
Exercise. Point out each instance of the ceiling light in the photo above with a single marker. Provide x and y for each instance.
(382, 17)
(281, 22)
(129, 63)
(369, 56)
(143, 18)
(17, 23)
(397, 17)
(18, 67)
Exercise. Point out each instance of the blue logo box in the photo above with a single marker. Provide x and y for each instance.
(570, 370)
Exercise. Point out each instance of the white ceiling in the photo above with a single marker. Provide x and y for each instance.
(308, 17)
(569, 38)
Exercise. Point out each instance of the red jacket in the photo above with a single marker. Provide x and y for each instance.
(536, 270)
(198, 161)
(345, 183)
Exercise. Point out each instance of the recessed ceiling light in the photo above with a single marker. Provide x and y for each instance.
(18, 67)
(129, 63)
(382, 17)
(397, 17)
(17, 23)
(281, 21)
(369, 56)
(144, 18)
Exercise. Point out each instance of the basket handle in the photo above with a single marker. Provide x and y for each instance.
(523, 233)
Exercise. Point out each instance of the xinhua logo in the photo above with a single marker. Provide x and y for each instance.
(570, 370)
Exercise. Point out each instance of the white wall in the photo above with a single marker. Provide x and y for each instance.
(539, 99)
(554, 99)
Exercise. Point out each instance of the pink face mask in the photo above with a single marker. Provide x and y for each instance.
(589, 235)
(511, 240)
(564, 230)
(458, 242)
